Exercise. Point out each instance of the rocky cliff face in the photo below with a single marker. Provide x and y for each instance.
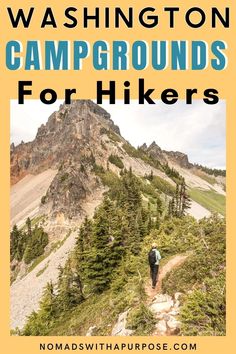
(72, 141)
(66, 134)
(180, 158)
(164, 156)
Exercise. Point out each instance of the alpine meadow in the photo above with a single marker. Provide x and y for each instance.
(86, 206)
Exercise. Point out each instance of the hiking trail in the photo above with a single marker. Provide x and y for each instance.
(164, 307)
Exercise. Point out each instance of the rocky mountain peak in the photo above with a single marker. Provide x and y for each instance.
(82, 106)
(154, 146)
(154, 151)
(74, 139)
(78, 117)
(144, 147)
(68, 130)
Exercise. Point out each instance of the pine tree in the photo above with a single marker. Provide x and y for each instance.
(29, 228)
(129, 200)
(48, 307)
(130, 194)
(18, 241)
(157, 221)
(159, 206)
(99, 274)
(158, 213)
(70, 292)
(35, 244)
(34, 327)
(177, 202)
(151, 176)
(185, 199)
(145, 222)
(83, 245)
(40, 322)
(134, 238)
(14, 240)
(172, 207)
(118, 233)
(180, 202)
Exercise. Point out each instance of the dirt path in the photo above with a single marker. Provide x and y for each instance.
(165, 307)
(174, 262)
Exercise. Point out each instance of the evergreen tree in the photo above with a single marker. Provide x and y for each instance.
(159, 206)
(130, 194)
(34, 327)
(185, 199)
(70, 292)
(81, 253)
(129, 199)
(48, 307)
(177, 202)
(18, 240)
(14, 241)
(118, 233)
(180, 203)
(29, 228)
(151, 176)
(40, 322)
(145, 221)
(172, 207)
(134, 236)
(98, 260)
(35, 244)
(157, 221)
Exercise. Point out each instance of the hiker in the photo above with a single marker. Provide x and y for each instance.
(154, 257)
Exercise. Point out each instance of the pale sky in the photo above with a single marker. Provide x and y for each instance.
(198, 130)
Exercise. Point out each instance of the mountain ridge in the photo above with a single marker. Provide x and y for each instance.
(179, 157)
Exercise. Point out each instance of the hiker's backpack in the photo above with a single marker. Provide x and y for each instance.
(152, 257)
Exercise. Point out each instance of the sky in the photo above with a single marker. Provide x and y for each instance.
(198, 130)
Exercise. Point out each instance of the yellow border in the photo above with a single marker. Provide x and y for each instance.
(85, 82)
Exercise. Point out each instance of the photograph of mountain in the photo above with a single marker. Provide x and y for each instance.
(94, 196)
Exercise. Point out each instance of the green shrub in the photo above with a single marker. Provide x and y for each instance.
(103, 131)
(173, 174)
(64, 177)
(141, 320)
(140, 154)
(131, 151)
(111, 134)
(163, 185)
(116, 160)
(204, 310)
(149, 189)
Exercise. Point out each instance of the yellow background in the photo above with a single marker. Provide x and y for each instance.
(84, 81)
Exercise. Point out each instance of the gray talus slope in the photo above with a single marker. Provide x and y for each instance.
(26, 195)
